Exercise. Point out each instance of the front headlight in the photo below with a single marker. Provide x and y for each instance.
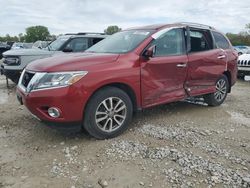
(12, 60)
(56, 79)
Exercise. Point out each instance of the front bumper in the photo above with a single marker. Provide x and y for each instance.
(14, 75)
(69, 100)
(243, 70)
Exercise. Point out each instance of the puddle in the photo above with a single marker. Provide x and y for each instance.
(3, 97)
(240, 118)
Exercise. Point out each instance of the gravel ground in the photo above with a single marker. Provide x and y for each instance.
(183, 144)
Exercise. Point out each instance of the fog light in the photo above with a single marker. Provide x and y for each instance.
(54, 112)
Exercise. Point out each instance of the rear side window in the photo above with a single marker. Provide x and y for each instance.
(201, 40)
(96, 40)
(220, 41)
(78, 44)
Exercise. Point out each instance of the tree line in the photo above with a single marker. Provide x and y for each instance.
(242, 38)
(35, 33)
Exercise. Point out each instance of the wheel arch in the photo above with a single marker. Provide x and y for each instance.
(125, 87)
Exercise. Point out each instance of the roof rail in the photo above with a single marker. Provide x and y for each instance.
(70, 34)
(85, 33)
(196, 25)
(90, 33)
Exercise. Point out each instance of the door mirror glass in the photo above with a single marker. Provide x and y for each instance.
(150, 52)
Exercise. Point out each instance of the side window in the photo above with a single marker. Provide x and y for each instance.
(96, 40)
(78, 44)
(201, 40)
(170, 43)
(221, 41)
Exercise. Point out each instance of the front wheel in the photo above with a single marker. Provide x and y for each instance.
(218, 97)
(108, 113)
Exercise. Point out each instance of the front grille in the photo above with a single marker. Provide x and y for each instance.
(244, 63)
(11, 61)
(27, 76)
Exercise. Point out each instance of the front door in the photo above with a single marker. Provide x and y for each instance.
(163, 75)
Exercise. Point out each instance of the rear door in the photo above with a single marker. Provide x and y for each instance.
(231, 56)
(163, 75)
(205, 63)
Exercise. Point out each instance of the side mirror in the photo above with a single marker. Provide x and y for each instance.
(150, 52)
(67, 49)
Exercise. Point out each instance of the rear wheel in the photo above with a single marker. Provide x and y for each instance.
(108, 113)
(218, 97)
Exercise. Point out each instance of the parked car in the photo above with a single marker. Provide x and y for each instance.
(3, 48)
(131, 70)
(40, 44)
(244, 65)
(242, 49)
(21, 45)
(16, 60)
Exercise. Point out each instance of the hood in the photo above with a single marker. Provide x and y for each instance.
(71, 62)
(27, 52)
(244, 57)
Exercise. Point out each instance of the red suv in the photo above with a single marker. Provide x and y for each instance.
(131, 70)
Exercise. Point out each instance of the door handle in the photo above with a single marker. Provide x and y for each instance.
(221, 57)
(181, 65)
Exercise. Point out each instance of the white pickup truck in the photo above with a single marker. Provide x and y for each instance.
(244, 65)
(14, 61)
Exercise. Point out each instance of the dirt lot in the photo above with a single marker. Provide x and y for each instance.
(176, 145)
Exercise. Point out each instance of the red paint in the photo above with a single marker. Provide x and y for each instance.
(154, 81)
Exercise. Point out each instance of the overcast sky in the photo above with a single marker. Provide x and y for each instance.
(64, 16)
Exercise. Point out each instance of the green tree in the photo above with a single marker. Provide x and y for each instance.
(35, 33)
(112, 29)
(239, 39)
(21, 37)
(8, 37)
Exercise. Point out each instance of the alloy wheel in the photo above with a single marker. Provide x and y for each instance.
(221, 90)
(110, 114)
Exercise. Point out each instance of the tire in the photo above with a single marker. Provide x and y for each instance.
(217, 98)
(15, 80)
(241, 76)
(101, 120)
(14, 77)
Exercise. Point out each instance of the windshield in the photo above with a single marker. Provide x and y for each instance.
(56, 45)
(121, 42)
